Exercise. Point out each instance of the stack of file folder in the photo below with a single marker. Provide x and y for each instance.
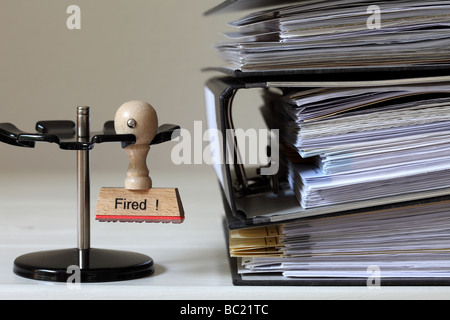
(360, 95)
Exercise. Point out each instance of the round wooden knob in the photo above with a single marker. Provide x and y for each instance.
(138, 118)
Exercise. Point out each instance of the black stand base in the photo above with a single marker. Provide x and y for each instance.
(95, 265)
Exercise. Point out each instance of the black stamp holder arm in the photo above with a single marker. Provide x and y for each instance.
(63, 133)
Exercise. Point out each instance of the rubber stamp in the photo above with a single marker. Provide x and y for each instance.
(138, 201)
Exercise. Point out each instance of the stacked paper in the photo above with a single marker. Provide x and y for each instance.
(364, 143)
(360, 93)
(340, 34)
(412, 242)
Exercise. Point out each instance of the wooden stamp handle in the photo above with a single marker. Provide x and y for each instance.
(138, 118)
(138, 174)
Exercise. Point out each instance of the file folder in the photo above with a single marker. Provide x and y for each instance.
(253, 200)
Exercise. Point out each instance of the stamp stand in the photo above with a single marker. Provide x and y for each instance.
(95, 265)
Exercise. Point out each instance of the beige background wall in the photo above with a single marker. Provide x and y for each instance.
(133, 49)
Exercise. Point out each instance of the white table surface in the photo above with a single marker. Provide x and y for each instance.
(38, 212)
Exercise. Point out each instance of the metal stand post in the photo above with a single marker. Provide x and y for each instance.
(83, 187)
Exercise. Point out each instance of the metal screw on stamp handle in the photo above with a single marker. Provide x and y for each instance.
(131, 123)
